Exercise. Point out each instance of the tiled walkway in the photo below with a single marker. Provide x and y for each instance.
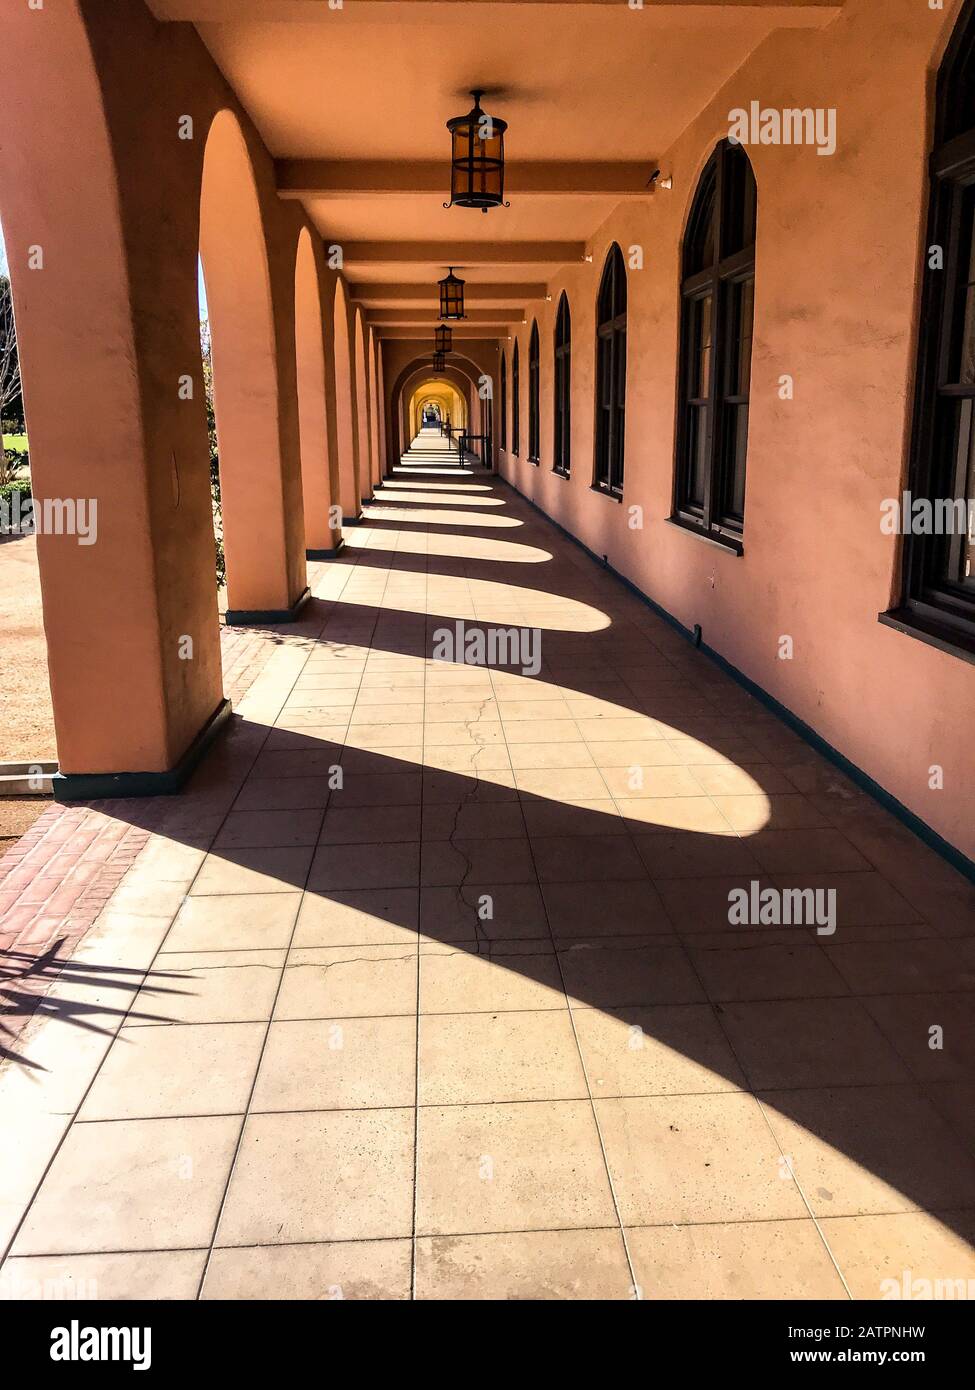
(426, 987)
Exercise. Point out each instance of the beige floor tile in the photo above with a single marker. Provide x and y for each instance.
(452, 863)
(904, 967)
(609, 973)
(531, 1265)
(474, 1058)
(779, 1260)
(810, 1042)
(585, 858)
(911, 1255)
(357, 1269)
(532, 757)
(741, 779)
(535, 1166)
(662, 1050)
(235, 922)
(530, 731)
(596, 817)
(357, 917)
(611, 908)
(371, 825)
(209, 987)
(794, 970)
(483, 912)
(348, 982)
(692, 1158)
(486, 819)
(337, 1064)
(147, 1274)
(132, 1185)
(378, 789)
(696, 815)
(860, 1150)
(192, 1069)
(367, 865)
(623, 755)
(805, 851)
(749, 814)
(277, 870)
(321, 1176)
(675, 853)
(455, 980)
(561, 786)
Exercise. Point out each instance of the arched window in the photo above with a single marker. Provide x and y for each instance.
(533, 421)
(563, 386)
(938, 595)
(515, 403)
(504, 402)
(611, 374)
(717, 294)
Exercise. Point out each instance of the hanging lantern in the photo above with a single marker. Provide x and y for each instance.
(477, 159)
(443, 338)
(451, 296)
(439, 362)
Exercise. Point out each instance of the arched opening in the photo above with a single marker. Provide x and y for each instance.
(317, 485)
(341, 350)
(245, 384)
(374, 407)
(362, 411)
(442, 399)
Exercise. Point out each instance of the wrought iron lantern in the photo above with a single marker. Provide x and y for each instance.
(452, 296)
(477, 159)
(443, 338)
(439, 362)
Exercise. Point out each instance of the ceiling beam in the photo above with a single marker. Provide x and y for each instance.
(428, 319)
(458, 253)
(313, 179)
(810, 12)
(416, 295)
(425, 339)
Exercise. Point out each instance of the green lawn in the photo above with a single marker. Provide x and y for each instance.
(15, 441)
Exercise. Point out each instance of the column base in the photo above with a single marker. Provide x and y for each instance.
(332, 554)
(96, 786)
(257, 617)
(352, 520)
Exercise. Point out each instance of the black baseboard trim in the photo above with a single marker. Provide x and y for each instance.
(332, 554)
(352, 520)
(257, 617)
(863, 780)
(97, 786)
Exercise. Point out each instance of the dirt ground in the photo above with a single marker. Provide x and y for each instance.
(26, 720)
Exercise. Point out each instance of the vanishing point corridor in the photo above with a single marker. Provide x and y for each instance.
(427, 984)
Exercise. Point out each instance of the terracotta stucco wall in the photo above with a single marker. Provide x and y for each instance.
(838, 256)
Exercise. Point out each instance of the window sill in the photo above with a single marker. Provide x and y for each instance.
(932, 634)
(725, 543)
(607, 492)
(533, 462)
(561, 473)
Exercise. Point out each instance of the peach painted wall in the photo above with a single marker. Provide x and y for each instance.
(837, 283)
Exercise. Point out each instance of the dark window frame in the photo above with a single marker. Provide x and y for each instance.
(534, 394)
(609, 434)
(562, 394)
(515, 402)
(934, 605)
(504, 402)
(717, 287)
